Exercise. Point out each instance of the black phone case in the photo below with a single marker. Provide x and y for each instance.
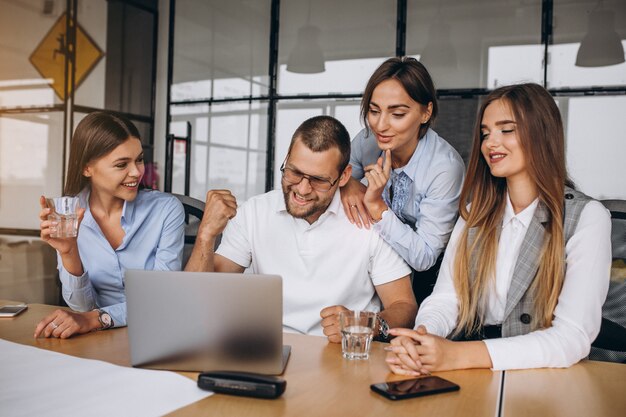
(242, 383)
(448, 387)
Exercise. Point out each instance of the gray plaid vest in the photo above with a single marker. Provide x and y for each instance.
(520, 302)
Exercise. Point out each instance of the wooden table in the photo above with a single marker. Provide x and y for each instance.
(588, 388)
(319, 381)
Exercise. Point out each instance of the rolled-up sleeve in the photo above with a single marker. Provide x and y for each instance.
(78, 292)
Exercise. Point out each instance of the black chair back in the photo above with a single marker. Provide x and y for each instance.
(194, 209)
(610, 345)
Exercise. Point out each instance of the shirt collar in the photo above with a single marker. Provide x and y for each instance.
(280, 202)
(335, 204)
(410, 169)
(525, 216)
(334, 207)
(128, 211)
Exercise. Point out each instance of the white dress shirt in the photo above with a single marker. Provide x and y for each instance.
(578, 314)
(330, 262)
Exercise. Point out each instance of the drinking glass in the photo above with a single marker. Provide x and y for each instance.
(63, 217)
(357, 331)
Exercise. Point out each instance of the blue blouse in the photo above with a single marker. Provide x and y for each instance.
(420, 231)
(154, 236)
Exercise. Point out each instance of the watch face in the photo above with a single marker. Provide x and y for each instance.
(105, 319)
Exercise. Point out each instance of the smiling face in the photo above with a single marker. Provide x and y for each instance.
(500, 144)
(119, 172)
(302, 201)
(395, 118)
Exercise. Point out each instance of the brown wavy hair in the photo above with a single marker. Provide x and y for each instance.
(415, 79)
(540, 133)
(95, 136)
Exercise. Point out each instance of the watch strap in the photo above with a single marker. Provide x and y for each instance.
(383, 329)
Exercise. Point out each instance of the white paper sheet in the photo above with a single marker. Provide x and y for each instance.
(38, 382)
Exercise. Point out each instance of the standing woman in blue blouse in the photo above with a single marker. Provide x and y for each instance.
(414, 176)
(120, 227)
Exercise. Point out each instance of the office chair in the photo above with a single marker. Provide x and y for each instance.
(610, 345)
(194, 209)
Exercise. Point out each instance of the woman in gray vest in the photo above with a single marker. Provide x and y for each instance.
(527, 268)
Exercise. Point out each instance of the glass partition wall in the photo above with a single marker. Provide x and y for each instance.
(60, 61)
(247, 73)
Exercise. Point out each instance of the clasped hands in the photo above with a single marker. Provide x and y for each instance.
(416, 352)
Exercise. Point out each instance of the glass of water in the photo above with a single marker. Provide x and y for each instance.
(63, 217)
(357, 330)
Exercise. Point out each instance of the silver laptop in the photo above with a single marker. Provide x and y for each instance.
(203, 321)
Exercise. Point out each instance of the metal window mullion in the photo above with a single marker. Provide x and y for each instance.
(547, 12)
(271, 110)
(167, 184)
(401, 28)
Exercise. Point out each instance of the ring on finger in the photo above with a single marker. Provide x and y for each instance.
(352, 205)
(54, 325)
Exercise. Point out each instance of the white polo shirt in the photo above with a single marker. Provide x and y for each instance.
(330, 262)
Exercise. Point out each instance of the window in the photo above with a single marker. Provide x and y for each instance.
(325, 51)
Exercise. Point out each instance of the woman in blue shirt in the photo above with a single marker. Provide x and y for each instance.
(414, 176)
(120, 227)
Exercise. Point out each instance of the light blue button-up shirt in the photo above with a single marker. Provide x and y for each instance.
(436, 171)
(154, 237)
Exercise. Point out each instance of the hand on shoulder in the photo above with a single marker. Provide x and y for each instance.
(352, 200)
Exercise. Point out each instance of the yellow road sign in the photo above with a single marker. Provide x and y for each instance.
(49, 56)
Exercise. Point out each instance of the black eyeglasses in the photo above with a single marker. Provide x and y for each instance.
(295, 177)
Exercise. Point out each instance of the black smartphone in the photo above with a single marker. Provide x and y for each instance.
(410, 388)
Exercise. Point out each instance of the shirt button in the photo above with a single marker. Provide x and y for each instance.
(525, 318)
(569, 196)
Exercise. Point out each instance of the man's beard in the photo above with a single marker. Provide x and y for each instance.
(318, 207)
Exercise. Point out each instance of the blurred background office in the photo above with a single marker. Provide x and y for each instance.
(217, 87)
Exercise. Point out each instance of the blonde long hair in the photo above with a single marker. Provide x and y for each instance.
(540, 133)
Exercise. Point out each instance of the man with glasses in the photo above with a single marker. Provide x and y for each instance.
(302, 234)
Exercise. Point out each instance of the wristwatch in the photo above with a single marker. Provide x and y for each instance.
(105, 319)
(383, 329)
